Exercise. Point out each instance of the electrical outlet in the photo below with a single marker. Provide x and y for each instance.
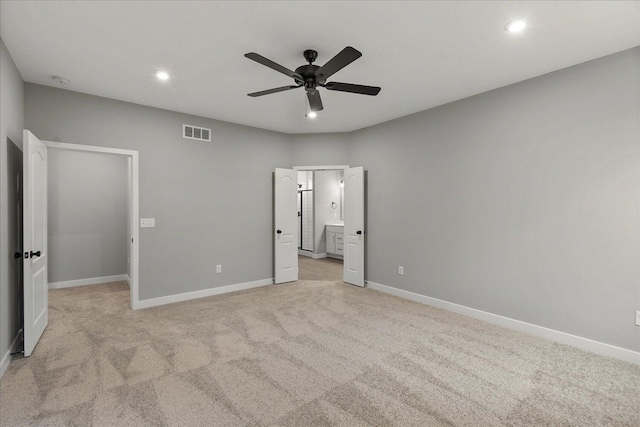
(147, 222)
(637, 317)
(400, 270)
(218, 269)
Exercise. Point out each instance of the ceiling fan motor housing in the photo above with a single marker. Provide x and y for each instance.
(308, 74)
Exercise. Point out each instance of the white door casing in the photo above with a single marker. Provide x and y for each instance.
(36, 284)
(354, 232)
(285, 226)
(134, 207)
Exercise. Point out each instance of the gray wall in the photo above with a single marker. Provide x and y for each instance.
(523, 201)
(212, 201)
(87, 215)
(11, 125)
(321, 149)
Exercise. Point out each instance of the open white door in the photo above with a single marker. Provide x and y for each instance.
(285, 225)
(36, 287)
(354, 226)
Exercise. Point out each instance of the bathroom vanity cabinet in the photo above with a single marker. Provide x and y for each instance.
(335, 240)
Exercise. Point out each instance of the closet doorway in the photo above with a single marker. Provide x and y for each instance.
(35, 230)
(131, 246)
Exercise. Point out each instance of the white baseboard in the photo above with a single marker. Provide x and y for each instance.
(6, 358)
(201, 294)
(335, 256)
(89, 281)
(310, 254)
(541, 331)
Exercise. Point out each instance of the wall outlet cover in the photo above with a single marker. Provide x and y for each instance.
(637, 317)
(401, 270)
(218, 269)
(147, 222)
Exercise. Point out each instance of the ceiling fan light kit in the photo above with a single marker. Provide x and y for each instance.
(312, 76)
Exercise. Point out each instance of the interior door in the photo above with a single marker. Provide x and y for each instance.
(354, 226)
(36, 288)
(285, 225)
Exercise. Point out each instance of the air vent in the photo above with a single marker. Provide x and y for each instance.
(194, 132)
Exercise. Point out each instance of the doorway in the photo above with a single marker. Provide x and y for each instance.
(35, 230)
(320, 214)
(131, 222)
(338, 225)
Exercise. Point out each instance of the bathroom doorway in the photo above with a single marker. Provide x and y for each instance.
(341, 233)
(321, 224)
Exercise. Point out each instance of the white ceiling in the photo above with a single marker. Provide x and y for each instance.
(422, 54)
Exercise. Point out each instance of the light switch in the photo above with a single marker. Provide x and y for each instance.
(147, 222)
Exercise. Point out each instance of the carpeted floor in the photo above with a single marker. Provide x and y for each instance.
(302, 354)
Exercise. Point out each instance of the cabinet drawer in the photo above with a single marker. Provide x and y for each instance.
(340, 249)
(339, 239)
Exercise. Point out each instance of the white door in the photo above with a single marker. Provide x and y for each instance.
(36, 288)
(354, 226)
(285, 225)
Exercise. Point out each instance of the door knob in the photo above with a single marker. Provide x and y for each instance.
(359, 232)
(34, 254)
(279, 231)
(17, 255)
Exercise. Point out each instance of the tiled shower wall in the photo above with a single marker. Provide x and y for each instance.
(305, 206)
(307, 220)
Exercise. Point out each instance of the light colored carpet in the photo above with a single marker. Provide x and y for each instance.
(302, 354)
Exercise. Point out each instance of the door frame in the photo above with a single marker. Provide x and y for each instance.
(132, 156)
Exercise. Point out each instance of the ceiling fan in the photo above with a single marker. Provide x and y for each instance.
(313, 76)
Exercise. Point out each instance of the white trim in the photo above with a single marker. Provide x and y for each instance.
(541, 331)
(88, 281)
(6, 359)
(135, 206)
(146, 303)
(134, 270)
(310, 254)
(320, 168)
(128, 279)
(92, 148)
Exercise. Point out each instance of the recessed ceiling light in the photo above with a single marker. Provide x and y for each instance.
(162, 75)
(312, 114)
(516, 26)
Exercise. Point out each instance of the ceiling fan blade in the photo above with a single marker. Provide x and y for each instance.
(269, 63)
(337, 63)
(315, 103)
(348, 87)
(274, 90)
